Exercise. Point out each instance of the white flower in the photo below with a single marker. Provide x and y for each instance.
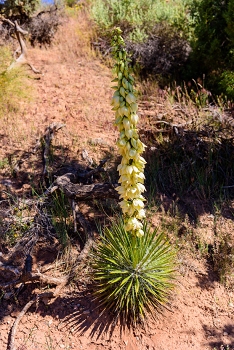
(133, 224)
(124, 205)
(134, 142)
(141, 214)
(140, 162)
(140, 187)
(140, 177)
(140, 146)
(131, 170)
(129, 133)
(138, 204)
(132, 153)
(139, 233)
(121, 142)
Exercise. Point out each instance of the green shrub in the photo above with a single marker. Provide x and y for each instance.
(19, 8)
(13, 85)
(133, 276)
(137, 18)
(213, 44)
(71, 3)
(226, 84)
(156, 33)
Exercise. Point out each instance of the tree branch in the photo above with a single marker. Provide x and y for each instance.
(23, 57)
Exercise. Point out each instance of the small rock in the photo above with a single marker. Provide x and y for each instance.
(98, 141)
(225, 334)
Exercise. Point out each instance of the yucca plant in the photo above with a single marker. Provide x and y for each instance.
(133, 268)
(133, 276)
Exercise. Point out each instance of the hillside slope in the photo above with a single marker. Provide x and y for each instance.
(76, 91)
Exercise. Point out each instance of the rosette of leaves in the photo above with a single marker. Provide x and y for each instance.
(133, 276)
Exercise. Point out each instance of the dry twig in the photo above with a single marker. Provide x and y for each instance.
(11, 342)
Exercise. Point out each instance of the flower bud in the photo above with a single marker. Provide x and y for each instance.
(130, 98)
(126, 123)
(134, 107)
(134, 118)
(122, 91)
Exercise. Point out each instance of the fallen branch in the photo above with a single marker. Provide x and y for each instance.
(99, 169)
(22, 50)
(35, 277)
(83, 192)
(11, 345)
(79, 217)
(46, 140)
(11, 342)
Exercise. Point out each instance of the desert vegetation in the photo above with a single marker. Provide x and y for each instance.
(116, 175)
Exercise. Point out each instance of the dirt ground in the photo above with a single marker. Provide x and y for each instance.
(201, 313)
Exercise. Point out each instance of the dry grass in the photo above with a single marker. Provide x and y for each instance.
(73, 39)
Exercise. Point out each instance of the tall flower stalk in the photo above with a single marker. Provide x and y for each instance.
(131, 168)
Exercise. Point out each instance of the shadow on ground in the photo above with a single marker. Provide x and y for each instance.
(220, 338)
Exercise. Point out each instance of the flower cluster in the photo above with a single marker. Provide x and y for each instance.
(131, 168)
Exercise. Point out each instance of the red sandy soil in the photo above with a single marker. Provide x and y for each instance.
(201, 313)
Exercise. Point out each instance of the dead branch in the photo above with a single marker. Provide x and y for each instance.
(11, 342)
(89, 243)
(46, 140)
(11, 345)
(35, 277)
(84, 192)
(79, 217)
(96, 170)
(22, 50)
(88, 246)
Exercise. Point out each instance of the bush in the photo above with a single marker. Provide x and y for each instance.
(162, 54)
(226, 84)
(13, 85)
(213, 43)
(22, 9)
(156, 32)
(71, 3)
(133, 276)
(137, 18)
(43, 27)
(210, 47)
